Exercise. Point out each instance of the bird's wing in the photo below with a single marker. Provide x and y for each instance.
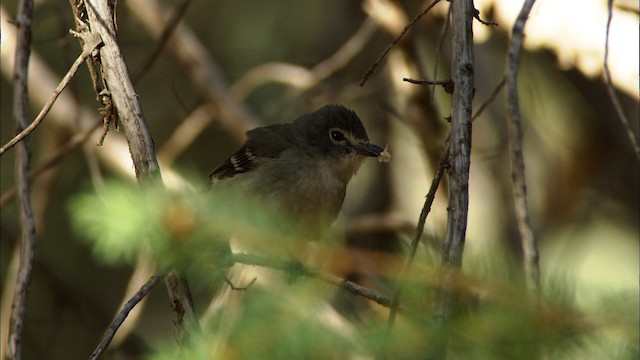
(262, 143)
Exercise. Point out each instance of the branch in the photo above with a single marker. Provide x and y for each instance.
(447, 85)
(443, 33)
(611, 91)
(122, 315)
(67, 148)
(169, 28)
(89, 45)
(376, 63)
(426, 208)
(491, 98)
(462, 74)
(121, 92)
(199, 66)
(250, 259)
(27, 223)
(527, 236)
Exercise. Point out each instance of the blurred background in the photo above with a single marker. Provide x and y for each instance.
(233, 65)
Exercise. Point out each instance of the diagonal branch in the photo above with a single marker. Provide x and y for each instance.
(126, 309)
(121, 92)
(86, 52)
(169, 28)
(257, 260)
(519, 188)
(426, 208)
(376, 63)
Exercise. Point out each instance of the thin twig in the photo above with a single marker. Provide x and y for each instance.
(375, 65)
(169, 27)
(447, 85)
(73, 144)
(476, 15)
(611, 91)
(491, 98)
(122, 315)
(197, 63)
(426, 208)
(86, 52)
(27, 223)
(250, 259)
(443, 33)
(527, 236)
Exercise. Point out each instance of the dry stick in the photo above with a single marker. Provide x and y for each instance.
(122, 315)
(170, 26)
(443, 33)
(462, 74)
(86, 52)
(201, 69)
(71, 145)
(373, 66)
(141, 146)
(250, 259)
(611, 91)
(491, 98)
(427, 82)
(527, 236)
(27, 223)
(426, 208)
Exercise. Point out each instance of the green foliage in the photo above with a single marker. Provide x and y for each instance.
(494, 317)
(171, 225)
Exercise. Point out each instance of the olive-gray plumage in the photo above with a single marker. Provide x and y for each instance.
(300, 170)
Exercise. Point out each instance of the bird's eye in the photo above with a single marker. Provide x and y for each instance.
(337, 136)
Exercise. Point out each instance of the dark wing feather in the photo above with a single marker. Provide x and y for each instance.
(262, 143)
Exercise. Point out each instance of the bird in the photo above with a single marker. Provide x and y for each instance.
(299, 171)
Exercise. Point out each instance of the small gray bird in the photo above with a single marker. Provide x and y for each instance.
(301, 170)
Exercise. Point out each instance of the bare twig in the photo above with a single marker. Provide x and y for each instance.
(446, 84)
(527, 236)
(476, 15)
(612, 92)
(73, 144)
(122, 315)
(436, 65)
(376, 63)
(141, 146)
(462, 73)
(426, 208)
(491, 98)
(86, 52)
(27, 223)
(250, 259)
(199, 66)
(170, 26)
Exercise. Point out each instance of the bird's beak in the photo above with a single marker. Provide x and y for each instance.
(366, 149)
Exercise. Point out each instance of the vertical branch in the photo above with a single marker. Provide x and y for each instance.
(610, 89)
(122, 94)
(462, 12)
(460, 146)
(28, 230)
(519, 188)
